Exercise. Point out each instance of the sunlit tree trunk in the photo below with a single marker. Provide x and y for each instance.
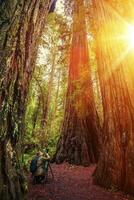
(21, 24)
(53, 116)
(115, 61)
(79, 143)
(47, 98)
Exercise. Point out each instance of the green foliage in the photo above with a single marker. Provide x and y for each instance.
(53, 52)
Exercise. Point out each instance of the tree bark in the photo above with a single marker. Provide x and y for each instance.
(47, 99)
(116, 164)
(35, 114)
(21, 24)
(79, 143)
(56, 97)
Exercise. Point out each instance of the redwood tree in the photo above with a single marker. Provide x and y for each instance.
(115, 61)
(21, 24)
(79, 142)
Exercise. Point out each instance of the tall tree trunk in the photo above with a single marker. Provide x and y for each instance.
(79, 142)
(49, 91)
(115, 61)
(53, 114)
(21, 24)
(35, 114)
(56, 97)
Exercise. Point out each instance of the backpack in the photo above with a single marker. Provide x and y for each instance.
(33, 164)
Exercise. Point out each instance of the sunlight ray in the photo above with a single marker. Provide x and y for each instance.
(117, 33)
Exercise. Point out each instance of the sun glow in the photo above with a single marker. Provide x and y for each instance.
(130, 36)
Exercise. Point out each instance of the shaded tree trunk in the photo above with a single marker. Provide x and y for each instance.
(35, 114)
(116, 163)
(79, 143)
(21, 24)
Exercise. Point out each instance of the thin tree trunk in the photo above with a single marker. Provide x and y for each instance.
(35, 115)
(56, 98)
(79, 143)
(48, 97)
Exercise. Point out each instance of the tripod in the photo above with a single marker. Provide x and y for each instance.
(46, 173)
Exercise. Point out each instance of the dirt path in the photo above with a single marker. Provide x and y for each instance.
(72, 183)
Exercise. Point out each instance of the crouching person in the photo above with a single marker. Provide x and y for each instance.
(39, 167)
(39, 173)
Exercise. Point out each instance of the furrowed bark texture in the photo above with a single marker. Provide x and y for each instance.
(115, 63)
(21, 25)
(79, 142)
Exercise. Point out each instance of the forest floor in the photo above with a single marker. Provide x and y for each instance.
(72, 183)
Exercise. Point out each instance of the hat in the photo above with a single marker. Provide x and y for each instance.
(39, 153)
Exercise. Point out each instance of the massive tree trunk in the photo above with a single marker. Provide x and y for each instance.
(21, 24)
(115, 62)
(79, 143)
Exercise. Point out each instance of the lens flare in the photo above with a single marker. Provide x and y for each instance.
(130, 36)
